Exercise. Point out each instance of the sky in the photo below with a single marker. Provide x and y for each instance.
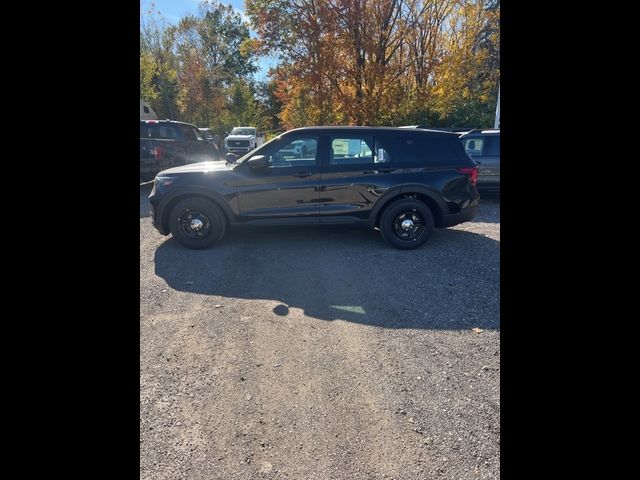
(174, 10)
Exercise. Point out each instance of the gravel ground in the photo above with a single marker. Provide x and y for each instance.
(321, 354)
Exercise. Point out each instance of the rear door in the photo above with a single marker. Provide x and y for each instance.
(489, 167)
(356, 171)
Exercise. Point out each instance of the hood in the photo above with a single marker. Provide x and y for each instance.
(240, 137)
(197, 167)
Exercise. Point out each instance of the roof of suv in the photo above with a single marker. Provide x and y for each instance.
(489, 131)
(369, 129)
(167, 121)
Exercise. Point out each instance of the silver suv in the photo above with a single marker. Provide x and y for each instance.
(483, 146)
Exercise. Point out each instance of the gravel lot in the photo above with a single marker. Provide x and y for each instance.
(321, 354)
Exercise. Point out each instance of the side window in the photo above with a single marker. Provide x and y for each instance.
(404, 150)
(197, 134)
(352, 150)
(424, 150)
(188, 133)
(168, 131)
(162, 131)
(146, 109)
(473, 146)
(493, 146)
(298, 152)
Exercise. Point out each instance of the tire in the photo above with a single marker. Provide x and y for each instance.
(412, 234)
(197, 223)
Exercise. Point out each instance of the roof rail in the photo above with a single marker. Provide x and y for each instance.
(474, 130)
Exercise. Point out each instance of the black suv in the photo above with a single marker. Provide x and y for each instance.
(404, 182)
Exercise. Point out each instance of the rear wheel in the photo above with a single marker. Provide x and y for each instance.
(197, 223)
(406, 224)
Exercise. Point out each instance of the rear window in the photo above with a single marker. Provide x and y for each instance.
(417, 150)
(155, 130)
(473, 146)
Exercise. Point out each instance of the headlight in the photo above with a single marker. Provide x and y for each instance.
(165, 181)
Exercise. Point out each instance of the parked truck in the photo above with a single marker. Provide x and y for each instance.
(242, 140)
(167, 143)
(146, 112)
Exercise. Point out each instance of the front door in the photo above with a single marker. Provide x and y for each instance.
(288, 188)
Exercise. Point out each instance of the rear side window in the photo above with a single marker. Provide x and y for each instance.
(188, 133)
(419, 150)
(492, 145)
(197, 133)
(154, 130)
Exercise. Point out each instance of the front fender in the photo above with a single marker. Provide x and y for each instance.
(225, 202)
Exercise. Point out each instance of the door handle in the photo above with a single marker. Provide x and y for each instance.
(303, 174)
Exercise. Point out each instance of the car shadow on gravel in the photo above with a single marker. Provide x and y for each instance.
(489, 211)
(451, 283)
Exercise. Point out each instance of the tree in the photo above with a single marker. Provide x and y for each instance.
(158, 69)
(214, 52)
(380, 61)
(467, 79)
(189, 71)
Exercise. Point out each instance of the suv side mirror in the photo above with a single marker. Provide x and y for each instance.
(258, 162)
(231, 157)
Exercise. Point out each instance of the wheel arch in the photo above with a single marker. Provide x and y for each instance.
(179, 195)
(434, 204)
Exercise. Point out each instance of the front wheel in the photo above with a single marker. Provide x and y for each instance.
(406, 224)
(197, 223)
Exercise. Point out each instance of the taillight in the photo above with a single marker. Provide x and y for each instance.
(158, 152)
(471, 173)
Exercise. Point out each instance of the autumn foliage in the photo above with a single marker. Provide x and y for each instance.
(382, 62)
(340, 62)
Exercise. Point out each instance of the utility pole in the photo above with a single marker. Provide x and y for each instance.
(497, 121)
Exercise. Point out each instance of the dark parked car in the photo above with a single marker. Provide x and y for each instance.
(404, 182)
(483, 146)
(166, 143)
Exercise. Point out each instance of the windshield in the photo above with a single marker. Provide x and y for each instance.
(256, 151)
(243, 131)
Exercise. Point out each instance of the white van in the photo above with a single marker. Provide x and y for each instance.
(146, 112)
